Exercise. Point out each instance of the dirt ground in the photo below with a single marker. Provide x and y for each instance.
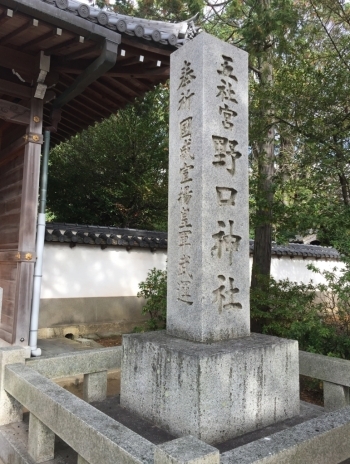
(111, 341)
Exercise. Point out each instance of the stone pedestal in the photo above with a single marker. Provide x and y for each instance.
(211, 391)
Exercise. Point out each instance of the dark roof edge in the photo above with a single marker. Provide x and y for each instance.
(62, 19)
(134, 238)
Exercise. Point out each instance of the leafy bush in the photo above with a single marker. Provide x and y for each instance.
(318, 316)
(154, 290)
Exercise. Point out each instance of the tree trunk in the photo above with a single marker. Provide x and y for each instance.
(263, 230)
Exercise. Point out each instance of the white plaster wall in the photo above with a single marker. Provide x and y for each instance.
(296, 269)
(88, 271)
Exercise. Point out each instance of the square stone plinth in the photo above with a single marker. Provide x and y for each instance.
(211, 391)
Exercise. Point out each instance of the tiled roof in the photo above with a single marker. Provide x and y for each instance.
(174, 34)
(133, 238)
(295, 250)
(105, 236)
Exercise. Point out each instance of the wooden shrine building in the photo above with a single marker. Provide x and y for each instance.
(63, 66)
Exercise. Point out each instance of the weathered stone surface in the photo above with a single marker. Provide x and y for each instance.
(186, 450)
(211, 391)
(10, 409)
(81, 460)
(335, 396)
(41, 440)
(324, 440)
(84, 362)
(208, 239)
(321, 367)
(95, 386)
(95, 436)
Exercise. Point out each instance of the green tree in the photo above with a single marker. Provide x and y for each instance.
(115, 173)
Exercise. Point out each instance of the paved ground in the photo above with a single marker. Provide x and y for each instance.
(54, 346)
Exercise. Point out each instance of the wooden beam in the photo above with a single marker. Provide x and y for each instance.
(120, 86)
(148, 73)
(112, 93)
(16, 32)
(19, 61)
(60, 46)
(81, 53)
(92, 99)
(146, 48)
(136, 84)
(39, 40)
(15, 90)
(10, 111)
(4, 17)
(103, 63)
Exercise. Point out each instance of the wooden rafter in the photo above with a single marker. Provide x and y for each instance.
(16, 32)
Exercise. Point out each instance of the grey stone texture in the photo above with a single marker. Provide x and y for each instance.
(186, 450)
(324, 440)
(208, 239)
(10, 409)
(211, 391)
(41, 440)
(74, 363)
(334, 370)
(335, 396)
(93, 435)
(81, 460)
(95, 386)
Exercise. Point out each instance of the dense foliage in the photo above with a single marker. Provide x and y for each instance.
(154, 290)
(115, 173)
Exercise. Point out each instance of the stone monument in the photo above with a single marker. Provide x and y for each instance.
(207, 375)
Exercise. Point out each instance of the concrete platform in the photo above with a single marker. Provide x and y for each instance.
(53, 346)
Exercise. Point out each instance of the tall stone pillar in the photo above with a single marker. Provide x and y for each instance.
(208, 240)
(206, 375)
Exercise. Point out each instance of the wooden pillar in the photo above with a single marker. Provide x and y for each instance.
(27, 226)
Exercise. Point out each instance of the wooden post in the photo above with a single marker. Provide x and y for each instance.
(27, 226)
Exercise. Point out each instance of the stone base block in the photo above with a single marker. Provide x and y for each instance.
(186, 450)
(211, 391)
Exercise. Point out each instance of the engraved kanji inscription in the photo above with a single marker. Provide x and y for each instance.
(228, 114)
(187, 74)
(184, 238)
(184, 221)
(184, 293)
(183, 270)
(185, 173)
(185, 100)
(226, 92)
(224, 295)
(226, 196)
(226, 243)
(225, 153)
(227, 67)
(185, 150)
(185, 195)
(186, 127)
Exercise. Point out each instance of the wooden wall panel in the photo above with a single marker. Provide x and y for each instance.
(11, 179)
(8, 282)
(19, 188)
